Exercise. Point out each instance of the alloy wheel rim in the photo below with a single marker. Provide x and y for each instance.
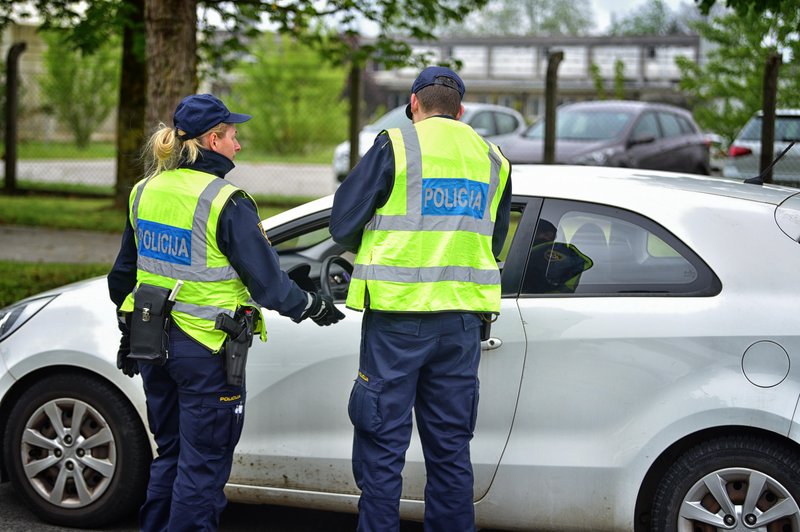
(68, 453)
(738, 499)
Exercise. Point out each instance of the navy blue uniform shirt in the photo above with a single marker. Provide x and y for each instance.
(240, 239)
(367, 188)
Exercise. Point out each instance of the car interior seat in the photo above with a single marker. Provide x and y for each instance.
(591, 241)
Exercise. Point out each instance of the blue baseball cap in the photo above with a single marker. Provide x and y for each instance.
(198, 113)
(436, 75)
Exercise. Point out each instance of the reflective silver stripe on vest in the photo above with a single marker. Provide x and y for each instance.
(413, 220)
(433, 274)
(200, 311)
(197, 271)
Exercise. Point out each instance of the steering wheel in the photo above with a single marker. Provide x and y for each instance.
(338, 282)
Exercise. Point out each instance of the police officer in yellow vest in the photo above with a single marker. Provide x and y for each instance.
(427, 211)
(187, 226)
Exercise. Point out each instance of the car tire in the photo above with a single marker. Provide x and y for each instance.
(730, 483)
(110, 451)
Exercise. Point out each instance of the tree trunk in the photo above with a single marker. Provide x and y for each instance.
(132, 105)
(171, 27)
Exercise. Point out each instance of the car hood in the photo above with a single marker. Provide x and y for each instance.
(522, 150)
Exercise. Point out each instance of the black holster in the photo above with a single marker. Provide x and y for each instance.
(240, 338)
(150, 324)
(486, 325)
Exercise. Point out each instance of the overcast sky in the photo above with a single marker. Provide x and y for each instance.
(604, 8)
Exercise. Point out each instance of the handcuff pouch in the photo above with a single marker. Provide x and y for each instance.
(150, 324)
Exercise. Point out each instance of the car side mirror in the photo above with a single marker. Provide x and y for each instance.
(646, 139)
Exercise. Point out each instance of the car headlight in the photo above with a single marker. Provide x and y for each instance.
(597, 158)
(14, 316)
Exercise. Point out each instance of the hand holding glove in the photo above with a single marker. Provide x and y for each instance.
(322, 310)
(128, 366)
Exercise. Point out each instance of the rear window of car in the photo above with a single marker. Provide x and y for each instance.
(588, 249)
(787, 128)
(506, 123)
(670, 125)
(585, 124)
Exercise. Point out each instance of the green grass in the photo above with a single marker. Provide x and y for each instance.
(22, 279)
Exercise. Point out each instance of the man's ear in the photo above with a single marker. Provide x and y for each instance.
(460, 112)
(414, 105)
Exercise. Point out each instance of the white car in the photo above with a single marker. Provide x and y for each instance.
(644, 372)
(744, 154)
(487, 119)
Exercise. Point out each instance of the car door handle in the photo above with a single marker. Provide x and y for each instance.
(491, 343)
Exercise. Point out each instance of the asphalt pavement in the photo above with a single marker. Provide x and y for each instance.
(39, 244)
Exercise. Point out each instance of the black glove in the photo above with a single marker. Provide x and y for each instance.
(322, 310)
(128, 366)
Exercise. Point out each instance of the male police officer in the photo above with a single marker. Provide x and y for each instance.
(427, 210)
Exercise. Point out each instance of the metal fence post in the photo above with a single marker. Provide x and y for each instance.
(12, 83)
(551, 89)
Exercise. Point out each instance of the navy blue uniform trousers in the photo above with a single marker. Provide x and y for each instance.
(428, 362)
(196, 419)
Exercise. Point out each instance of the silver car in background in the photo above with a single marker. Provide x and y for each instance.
(744, 154)
(488, 120)
(644, 373)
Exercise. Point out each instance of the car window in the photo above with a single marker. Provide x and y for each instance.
(787, 128)
(585, 125)
(587, 249)
(669, 125)
(506, 123)
(686, 126)
(483, 122)
(394, 118)
(646, 127)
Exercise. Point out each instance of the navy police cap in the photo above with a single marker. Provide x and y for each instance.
(436, 75)
(198, 113)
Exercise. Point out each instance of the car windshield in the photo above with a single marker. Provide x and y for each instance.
(585, 125)
(787, 128)
(394, 118)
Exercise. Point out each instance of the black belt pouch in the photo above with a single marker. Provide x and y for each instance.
(149, 324)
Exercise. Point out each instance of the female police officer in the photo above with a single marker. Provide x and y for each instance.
(187, 224)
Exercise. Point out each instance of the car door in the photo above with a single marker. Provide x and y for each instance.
(643, 145)
(601, 304)
(297, 433)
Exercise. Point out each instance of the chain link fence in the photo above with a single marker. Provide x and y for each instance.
(57, 150)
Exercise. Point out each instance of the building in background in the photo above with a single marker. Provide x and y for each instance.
(511, 71)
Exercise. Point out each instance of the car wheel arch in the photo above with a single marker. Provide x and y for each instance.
(660, 466)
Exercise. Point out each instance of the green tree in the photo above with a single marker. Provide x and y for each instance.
(619, 79)
(81, 90)
(727, 89)
(597, 79)
(302, 108)
(653, 17)
(526, 17)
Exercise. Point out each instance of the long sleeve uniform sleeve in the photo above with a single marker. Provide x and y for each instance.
(240, 238)
(366, 188)
(122, 277)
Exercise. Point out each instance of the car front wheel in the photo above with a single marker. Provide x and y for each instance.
(732, 483)
(76, 451)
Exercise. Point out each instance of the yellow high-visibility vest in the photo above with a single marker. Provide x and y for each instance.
(174, 217)
(429, 248)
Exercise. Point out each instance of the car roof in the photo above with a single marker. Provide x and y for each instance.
(624, 187)
(629, 105)
(787, 112)
(628, 186)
